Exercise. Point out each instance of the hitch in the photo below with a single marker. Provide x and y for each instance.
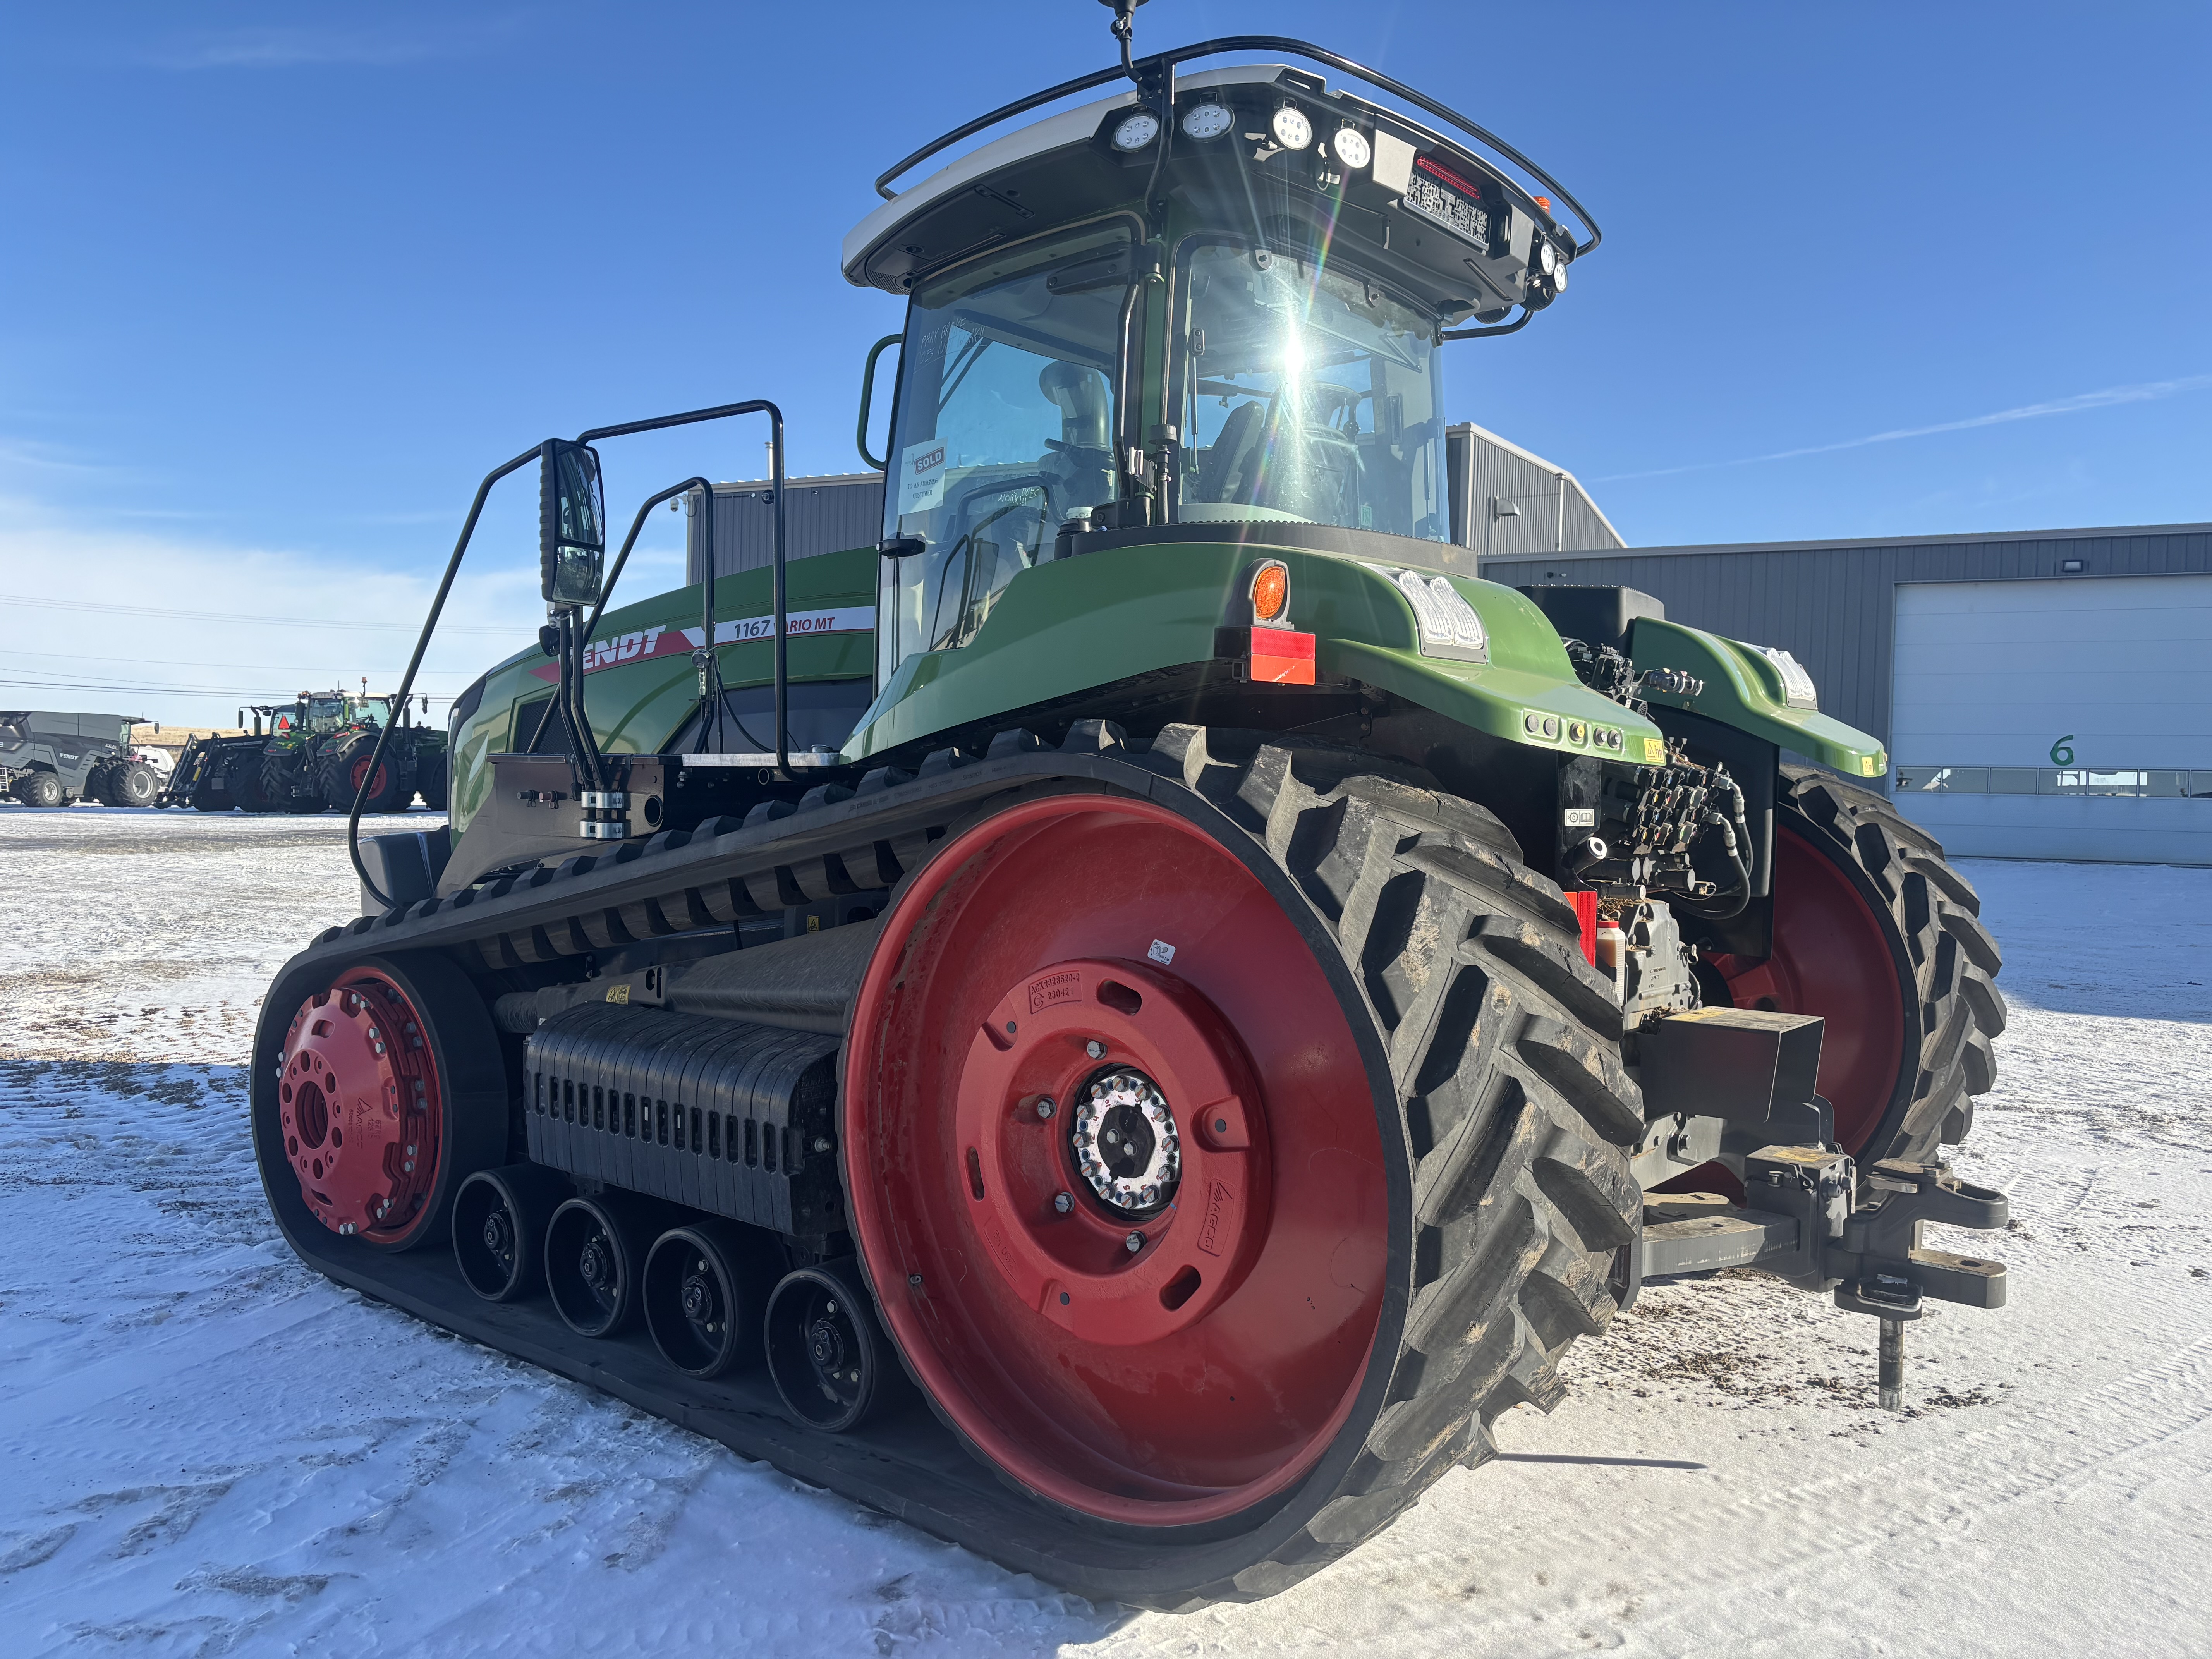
(1801, 1222)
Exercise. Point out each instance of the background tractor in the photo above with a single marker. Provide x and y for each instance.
(312, 753)
(1128, 1023)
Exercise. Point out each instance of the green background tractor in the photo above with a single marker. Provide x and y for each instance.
(1129, 1021)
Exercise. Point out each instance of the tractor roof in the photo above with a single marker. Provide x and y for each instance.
(1411, 202)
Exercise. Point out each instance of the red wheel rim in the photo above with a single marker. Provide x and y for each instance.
(1209, 1368)
(361, 771)
(362, 1119)
(1832, 957)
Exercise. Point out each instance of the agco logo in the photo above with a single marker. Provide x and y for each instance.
(1218, 1199)
(934, 459)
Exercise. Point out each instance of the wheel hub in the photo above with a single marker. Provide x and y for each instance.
(1125, 1142)
(825, 1345)
(596, 1266)
(699, 1300)
(499, 1238)
(358, 1093)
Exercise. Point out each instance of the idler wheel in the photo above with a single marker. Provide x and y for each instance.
(595, 1253)
(826, 1352)
(366, 1114)
(705, 1290)
(500, 1217)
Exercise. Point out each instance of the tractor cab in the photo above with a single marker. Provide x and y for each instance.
(1215, 300)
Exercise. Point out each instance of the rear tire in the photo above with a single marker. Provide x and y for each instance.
(345, 764)
(132, 784)
(1423, 1048)
(1878, 933)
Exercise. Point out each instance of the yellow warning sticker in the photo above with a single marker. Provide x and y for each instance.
(618, 994)
(1654, 752)
(1869, 766)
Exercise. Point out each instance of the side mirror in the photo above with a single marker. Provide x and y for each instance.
(572, 536)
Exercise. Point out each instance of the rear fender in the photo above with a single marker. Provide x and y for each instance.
(1743, 688)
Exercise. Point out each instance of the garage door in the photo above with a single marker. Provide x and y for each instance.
(2066, 718)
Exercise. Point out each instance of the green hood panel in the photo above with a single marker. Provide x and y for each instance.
(638, 703)
(1744, 690)
(1069, 625)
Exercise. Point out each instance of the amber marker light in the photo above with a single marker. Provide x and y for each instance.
(1270, 592)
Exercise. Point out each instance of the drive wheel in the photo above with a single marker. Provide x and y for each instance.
(348, 765)
(132, 784)
(1228, 1169)
(1879, 936)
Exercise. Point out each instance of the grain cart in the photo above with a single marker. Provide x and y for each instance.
(1245, 995)
(49, 759)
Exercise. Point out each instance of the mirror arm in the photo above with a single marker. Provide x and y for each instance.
(407, 680)
(867, 401)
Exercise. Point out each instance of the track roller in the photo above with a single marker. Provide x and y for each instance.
(827, 1355)
(703, 1291)
(500, 1219)
(595, 1252)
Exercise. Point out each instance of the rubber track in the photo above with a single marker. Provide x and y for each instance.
(1503, 1044)
(1956, 1012)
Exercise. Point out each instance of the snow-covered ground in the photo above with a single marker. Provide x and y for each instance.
(205, 1447)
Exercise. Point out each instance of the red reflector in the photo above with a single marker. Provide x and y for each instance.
(1282, 658)
(1585, 905)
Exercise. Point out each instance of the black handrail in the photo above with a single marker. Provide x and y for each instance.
(1164, 62)
(407, 680)
(757, 406)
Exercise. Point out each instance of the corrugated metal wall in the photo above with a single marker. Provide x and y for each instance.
(1833, 604)
(820, 515)
(1506, 501)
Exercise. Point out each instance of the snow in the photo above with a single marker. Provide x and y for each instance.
(209, 1449)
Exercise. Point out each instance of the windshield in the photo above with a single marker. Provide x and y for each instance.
(1005, 425)
(1308, 395)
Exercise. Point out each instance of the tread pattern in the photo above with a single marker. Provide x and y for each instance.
(1958, 1011)
(1504, 1044)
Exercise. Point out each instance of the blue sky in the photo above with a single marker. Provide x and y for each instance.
(278, 284)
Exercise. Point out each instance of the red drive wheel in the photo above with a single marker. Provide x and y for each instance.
(1833, 956)
(362, 1116)
(360, 771)
(1114, 1162)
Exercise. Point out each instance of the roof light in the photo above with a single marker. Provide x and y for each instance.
(1292, 129)
(1548, 258)
(1350, 146)
(1138, 129)
(1207, 121)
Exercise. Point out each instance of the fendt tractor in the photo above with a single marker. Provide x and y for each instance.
(314, 754)
(1127, 1023)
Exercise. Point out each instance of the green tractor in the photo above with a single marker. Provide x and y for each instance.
(414, 760)
(312, 753)
(1127, 1023)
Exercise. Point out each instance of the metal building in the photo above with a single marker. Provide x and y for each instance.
(820, 515)
(1506, 501)
(2043, 694)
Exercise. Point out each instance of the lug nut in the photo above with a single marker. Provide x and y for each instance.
(1044, 1107)
(1063, 1202)
(822, 1143)
(1095, 1048)
(1136, 1243)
